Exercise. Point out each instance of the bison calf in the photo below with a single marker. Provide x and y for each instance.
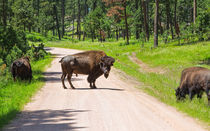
(91, 63)
(194, 80)
(21, 68)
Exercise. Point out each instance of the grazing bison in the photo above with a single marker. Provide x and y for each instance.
(194, 80)
(91, 63)
(21, 68)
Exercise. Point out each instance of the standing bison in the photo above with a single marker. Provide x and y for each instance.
(91, 63)
(21, 68)
(194, 80)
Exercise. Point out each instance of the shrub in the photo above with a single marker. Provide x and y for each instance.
(14, 54)
(10, 37)
(36, 53)
(34, 38)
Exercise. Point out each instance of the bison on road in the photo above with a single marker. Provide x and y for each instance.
(91, 63)
(194, 80)
(21, 68)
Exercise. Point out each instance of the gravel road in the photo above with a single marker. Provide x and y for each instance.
(115, 106)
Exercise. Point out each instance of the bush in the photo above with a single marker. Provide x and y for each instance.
(14, 54)
(34, 38)
(1, 62)
(36, 53)
(10, 37)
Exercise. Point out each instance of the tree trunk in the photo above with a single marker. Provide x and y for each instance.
(63, 17)
(57, 22)
(145, 20)
(73, 22)
(147, 17)
(84, 36)
(167, 14)
(117, 34)
(156, 24)
(38, 7)
(4, 12)
(137, 25)
(126, 23)
(175, 22)
(100, 36)
(124, 34)
(92, 36)
(169, 18)
(29, 28)
(78, 21)
(171, 25)
(86, 7)
(159, 24)
(53, 30)
(94, 4)
(194, 10)
(24, 26)
(142, 19)
(109, 34)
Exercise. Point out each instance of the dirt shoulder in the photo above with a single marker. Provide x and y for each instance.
(144, 67)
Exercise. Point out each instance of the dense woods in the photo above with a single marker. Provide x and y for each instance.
(115, 18)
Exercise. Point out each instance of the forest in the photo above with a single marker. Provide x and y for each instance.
(171, 34)
(107, 19)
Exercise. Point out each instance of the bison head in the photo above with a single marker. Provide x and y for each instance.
(180, 95)
(105, 65)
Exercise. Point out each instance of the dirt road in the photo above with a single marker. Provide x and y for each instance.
(115, 106)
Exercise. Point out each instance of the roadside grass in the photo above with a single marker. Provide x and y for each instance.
(172, 57)
(14, 95)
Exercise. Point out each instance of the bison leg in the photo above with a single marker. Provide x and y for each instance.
(94, 86)
(91, 80)
(62, 79)
(91, 86)
(208, 95)
(191, 93)
(199, 95)
(14, 76)
(69, 79)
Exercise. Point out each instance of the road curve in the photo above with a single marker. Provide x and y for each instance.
(115, 106)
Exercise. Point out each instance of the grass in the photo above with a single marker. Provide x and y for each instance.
(14, 95)
(171, 57)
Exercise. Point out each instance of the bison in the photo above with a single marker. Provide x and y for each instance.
(194, 80)
(91, 63)
(21, 68)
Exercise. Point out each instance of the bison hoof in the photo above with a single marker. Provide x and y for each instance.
(65, 87)
(93, 87)
(73, 87)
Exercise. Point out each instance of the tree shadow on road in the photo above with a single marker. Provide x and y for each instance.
(50, 120)
(114, 89)
(54, 77)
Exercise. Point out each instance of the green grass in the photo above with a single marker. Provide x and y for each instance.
(14, 95)
(37, 37)
(171, 57)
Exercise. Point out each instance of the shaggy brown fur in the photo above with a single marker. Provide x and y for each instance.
(21, 68)
(91, 63)
(194, 80)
